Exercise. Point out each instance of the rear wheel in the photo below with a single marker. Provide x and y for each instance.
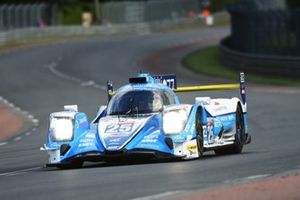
(240, 136)
(199, 132)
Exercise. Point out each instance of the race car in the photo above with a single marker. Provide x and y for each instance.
(145, 119)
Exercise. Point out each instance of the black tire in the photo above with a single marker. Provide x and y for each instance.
(199, 132)
(71, 165)
(240, 136)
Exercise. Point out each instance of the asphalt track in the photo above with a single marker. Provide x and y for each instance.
(41, 80)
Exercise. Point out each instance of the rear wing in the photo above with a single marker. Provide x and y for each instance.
(240, 86)
(171, 81)
(167, 79)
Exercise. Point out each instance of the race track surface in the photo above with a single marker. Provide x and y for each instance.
(42, 79)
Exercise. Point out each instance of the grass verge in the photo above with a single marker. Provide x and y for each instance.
(207, 61)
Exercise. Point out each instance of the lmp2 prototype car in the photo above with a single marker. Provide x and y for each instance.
(145, 119)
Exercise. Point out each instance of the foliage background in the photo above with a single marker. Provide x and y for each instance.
(71, 10)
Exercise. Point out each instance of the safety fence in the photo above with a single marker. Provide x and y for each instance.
(269, 65)
(149, 11)
(29, 34)
(264, 41)
(26, 34)
(21, 22)
(266, 32)
(13, 16)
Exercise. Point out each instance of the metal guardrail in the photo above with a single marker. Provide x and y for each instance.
(63, 31)
(148, 11)
(32, 33)
(283, 66)
(271, 32)
(14, 16)
(20, 22)
(264, 40)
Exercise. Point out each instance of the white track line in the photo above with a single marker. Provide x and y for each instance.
(257, 176)
(160, 195)
(11, 105)
(3, 143)
(18, 109)
(13, 173)
(35, 121)
(17, 138)
(30, 116)
(248, 178)
(25, 112)
(52, 67)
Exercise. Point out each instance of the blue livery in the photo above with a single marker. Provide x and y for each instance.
(145, 119)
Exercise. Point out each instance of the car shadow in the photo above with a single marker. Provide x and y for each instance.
(120, 163)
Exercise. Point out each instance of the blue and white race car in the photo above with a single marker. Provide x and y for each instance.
(145, 119)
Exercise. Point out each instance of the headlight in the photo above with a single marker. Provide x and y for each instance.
(61, 129)
(174, 121)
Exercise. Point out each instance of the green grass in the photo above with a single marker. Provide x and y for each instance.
(207, 61)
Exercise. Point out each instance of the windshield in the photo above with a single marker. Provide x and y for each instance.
(135, 102)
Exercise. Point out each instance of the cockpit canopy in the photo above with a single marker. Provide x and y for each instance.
(137, 101)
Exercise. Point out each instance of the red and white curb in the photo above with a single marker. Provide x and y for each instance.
(35, 122)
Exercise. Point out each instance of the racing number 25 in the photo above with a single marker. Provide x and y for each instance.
(118, 128)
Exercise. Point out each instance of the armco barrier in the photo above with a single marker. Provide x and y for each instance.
(24, 34)
(285, 66)
(57, 31)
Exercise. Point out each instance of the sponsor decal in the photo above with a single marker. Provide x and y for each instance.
(192, 148)
(226, 117)
(210, 131)
(217, 103)
(113, 148)
(217, 124)
(113, 141)
(168, 80)
(88, 141)
(90, 135)
(150, 139)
